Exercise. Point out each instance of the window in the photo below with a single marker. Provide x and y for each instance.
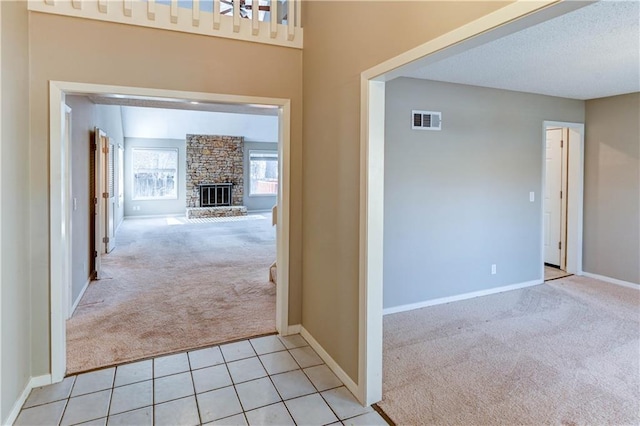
(155, 174)
(263, 173)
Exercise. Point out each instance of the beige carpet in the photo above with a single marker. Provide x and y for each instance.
(565, 352)
(172, 285)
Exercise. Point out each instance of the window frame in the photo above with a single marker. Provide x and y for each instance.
(249, 180)
(134, 197)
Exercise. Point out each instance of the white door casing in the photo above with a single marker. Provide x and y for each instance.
(552, 196)
(504, 21)
(110, 196)
(99, 220)
(68, 291)
(59, 207)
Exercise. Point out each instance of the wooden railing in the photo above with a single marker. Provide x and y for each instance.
(278, 22)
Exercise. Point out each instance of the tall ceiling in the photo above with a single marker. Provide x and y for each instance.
(588, 53)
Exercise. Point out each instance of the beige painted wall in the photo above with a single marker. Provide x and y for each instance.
(361, 35)
(612, 188)
(71, 49)
(15, 369)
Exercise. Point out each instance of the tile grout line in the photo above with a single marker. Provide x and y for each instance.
(153, 391)
(113, 384)
(68, 399)
(193, 385)
(224, 359)
(274, 385)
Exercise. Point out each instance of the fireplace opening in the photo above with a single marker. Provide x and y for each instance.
(216, 194)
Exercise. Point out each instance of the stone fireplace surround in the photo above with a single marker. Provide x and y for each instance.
(213, 159)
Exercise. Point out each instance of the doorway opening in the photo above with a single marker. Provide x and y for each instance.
(562, 199)
(62, 200)
(508, 20)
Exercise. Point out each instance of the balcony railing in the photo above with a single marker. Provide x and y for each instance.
(276, 21)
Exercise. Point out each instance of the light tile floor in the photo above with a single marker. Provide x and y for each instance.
(269, 380)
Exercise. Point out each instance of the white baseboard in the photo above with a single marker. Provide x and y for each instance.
(34, 382)
(612, 280)
(465, 296)
(77, 301)
(337, 370)
(292, 329)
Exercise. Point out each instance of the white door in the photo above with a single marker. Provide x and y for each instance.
(98, 176)
(552, 197)
(110, 196)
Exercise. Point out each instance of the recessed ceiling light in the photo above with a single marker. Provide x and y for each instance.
(118, 96)
(194, 102)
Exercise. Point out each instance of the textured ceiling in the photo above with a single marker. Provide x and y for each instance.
(589, 53)
(183, 105)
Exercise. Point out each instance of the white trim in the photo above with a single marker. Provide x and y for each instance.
(59, 207)
(459, 297)
(33, 383)
(67, 126)
(506, 20)
(611, 280)
(371, 242)
(59, 243)
(292, 329)
(77, 302)
(333, 366)
(1, 201)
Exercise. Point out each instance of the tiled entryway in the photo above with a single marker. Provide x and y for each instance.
(269, 380)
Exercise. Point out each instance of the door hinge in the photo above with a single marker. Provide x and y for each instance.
(94, 147)
(561, 144)
(560, 245)
(105, 240)
(95, 200)
(95, 254)
(561, 195)
(105, 195)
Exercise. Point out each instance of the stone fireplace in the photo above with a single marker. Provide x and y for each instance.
(215, 176)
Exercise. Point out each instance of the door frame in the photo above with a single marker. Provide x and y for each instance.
(506, 20)
(574, 196)
(60, 202)
(98, 219)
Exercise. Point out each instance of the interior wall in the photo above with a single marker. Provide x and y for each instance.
(612, 188)
(256, 202)
(83, 121)
(154, 207)
(457, 200)
(150, 123)
(15, 311)
(359, 36)
(78, 50)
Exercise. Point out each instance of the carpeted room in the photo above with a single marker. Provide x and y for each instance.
(178, 273)
(175, 284)
(458, 201)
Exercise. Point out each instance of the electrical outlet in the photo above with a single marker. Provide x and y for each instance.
(494, 269)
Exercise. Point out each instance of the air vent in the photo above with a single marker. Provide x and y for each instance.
(426, 120)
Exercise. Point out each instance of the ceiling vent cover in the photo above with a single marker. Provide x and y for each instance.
(426, 120)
